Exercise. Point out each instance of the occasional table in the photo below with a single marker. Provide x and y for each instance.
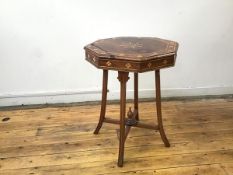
(131, 54)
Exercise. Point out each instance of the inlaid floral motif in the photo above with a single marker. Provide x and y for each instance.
(128, 65)
(131, 45)
(139, 56)
(108, 63)
(149, 65)
(171, 46)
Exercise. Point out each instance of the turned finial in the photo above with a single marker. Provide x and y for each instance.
(130, 113)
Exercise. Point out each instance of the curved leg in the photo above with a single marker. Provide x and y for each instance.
(159, 113)
(136, 94)
(123, 78)
(103, 103)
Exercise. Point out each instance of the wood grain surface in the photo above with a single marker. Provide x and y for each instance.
(60, 141)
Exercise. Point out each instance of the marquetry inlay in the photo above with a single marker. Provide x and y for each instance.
(128, 65)
(121, 54)
(139, 56)
(108, 63)
(132, 54)
(149, 65)
(131, 45)
(171, 46)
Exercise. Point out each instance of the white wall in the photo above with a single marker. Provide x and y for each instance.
(42, 56)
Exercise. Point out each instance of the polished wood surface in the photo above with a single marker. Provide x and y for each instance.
(52, 141)
(132, 54)
(133, 48)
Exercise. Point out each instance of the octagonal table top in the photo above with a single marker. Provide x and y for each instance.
(132, 54)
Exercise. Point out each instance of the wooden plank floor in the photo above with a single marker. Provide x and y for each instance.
(59, 141)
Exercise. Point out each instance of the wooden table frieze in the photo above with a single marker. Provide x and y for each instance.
(131, 54)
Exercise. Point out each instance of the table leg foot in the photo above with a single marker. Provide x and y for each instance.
(97, 129)
(164, 138)
(120, 162)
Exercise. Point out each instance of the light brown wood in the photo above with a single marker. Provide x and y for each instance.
(228, 167)
(192, 170)
(200, 133)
